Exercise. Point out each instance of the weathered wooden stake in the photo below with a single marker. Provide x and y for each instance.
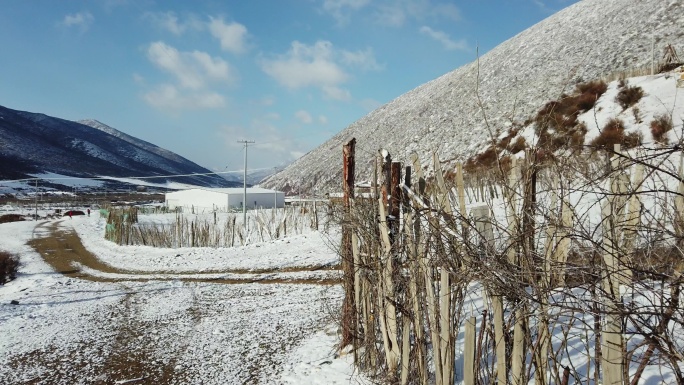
(348, 307)
(469, 353)
(612, 214)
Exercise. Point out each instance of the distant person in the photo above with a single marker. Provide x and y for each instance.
(70, 212)
(88, 212)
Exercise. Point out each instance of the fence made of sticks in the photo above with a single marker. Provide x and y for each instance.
(211, 229)
(576, 265)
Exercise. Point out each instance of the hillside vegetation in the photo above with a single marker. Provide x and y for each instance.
(457, 114)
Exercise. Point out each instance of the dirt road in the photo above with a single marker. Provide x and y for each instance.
(65, 252)
(135, 328)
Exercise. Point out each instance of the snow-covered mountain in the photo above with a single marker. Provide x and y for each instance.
(456, 114)
(32, 143)
(254, 176)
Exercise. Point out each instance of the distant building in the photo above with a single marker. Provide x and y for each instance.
(224, 199)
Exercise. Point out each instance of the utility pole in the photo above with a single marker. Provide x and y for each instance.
(244, 185)
(653, 56)
(36, 201)
(275, 192)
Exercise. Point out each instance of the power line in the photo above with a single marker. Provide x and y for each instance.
(115, 177)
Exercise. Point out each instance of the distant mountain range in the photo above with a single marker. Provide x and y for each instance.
(460, 113)
(253, 176)
(33, 143)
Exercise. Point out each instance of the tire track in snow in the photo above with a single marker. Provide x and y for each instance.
(64, 251)
(173, 331)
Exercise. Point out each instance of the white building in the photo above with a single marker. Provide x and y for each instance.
(224, 199)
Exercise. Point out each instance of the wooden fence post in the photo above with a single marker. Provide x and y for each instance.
(395, 199)
(348, 307)
(469, 353)
(612, 215)
(633, 218)
(388, 313)
(445, 303)
(415, 248)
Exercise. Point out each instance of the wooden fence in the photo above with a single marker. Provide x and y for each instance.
(187, 230)
(550, 248)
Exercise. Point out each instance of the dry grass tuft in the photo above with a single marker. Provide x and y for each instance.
(9, 265)
(486, 159)
(629, 96)
(661, 126)
(614, 133)
(520, 144)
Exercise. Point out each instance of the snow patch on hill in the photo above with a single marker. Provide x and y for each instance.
(455, 114)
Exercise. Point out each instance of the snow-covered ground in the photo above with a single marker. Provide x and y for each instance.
(65, 330)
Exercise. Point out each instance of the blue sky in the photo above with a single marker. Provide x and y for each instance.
(195, 77)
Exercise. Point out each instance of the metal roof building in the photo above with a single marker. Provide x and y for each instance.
(224, 199)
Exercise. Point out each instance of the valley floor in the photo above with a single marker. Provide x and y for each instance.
(84, 313)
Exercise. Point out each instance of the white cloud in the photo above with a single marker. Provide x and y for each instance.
(322, 119)
(336, 93)
(548, 6)
(138, 78)
(319, 65)
(304, 117)
(341, 9)
(391, 15)
(167, 96)
(110, 5)
(444, 39)
(81, 20)
(231, 35)
(193, 70)
(170, 22)
(396, 13)
(446, 11)
(271, 147)
(362, 59)
(195, 73)
(305, 66)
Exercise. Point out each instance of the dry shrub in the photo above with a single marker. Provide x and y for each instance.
(585, 102)
(636, 112)
(667, 67)
(487, 159)
(519, 145)
(622, 82)
(612, 133)
(556, 126)
(629, 96)
(660, 126)
(577, 137)
(596, 87)
(657, 262)
(588, 93)
(7, 218)
(561, 115)
(9, 264)
(506, 140)
(558, 115)
(633, 139)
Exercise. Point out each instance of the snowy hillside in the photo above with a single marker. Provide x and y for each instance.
(33, 143)
(508, 85)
